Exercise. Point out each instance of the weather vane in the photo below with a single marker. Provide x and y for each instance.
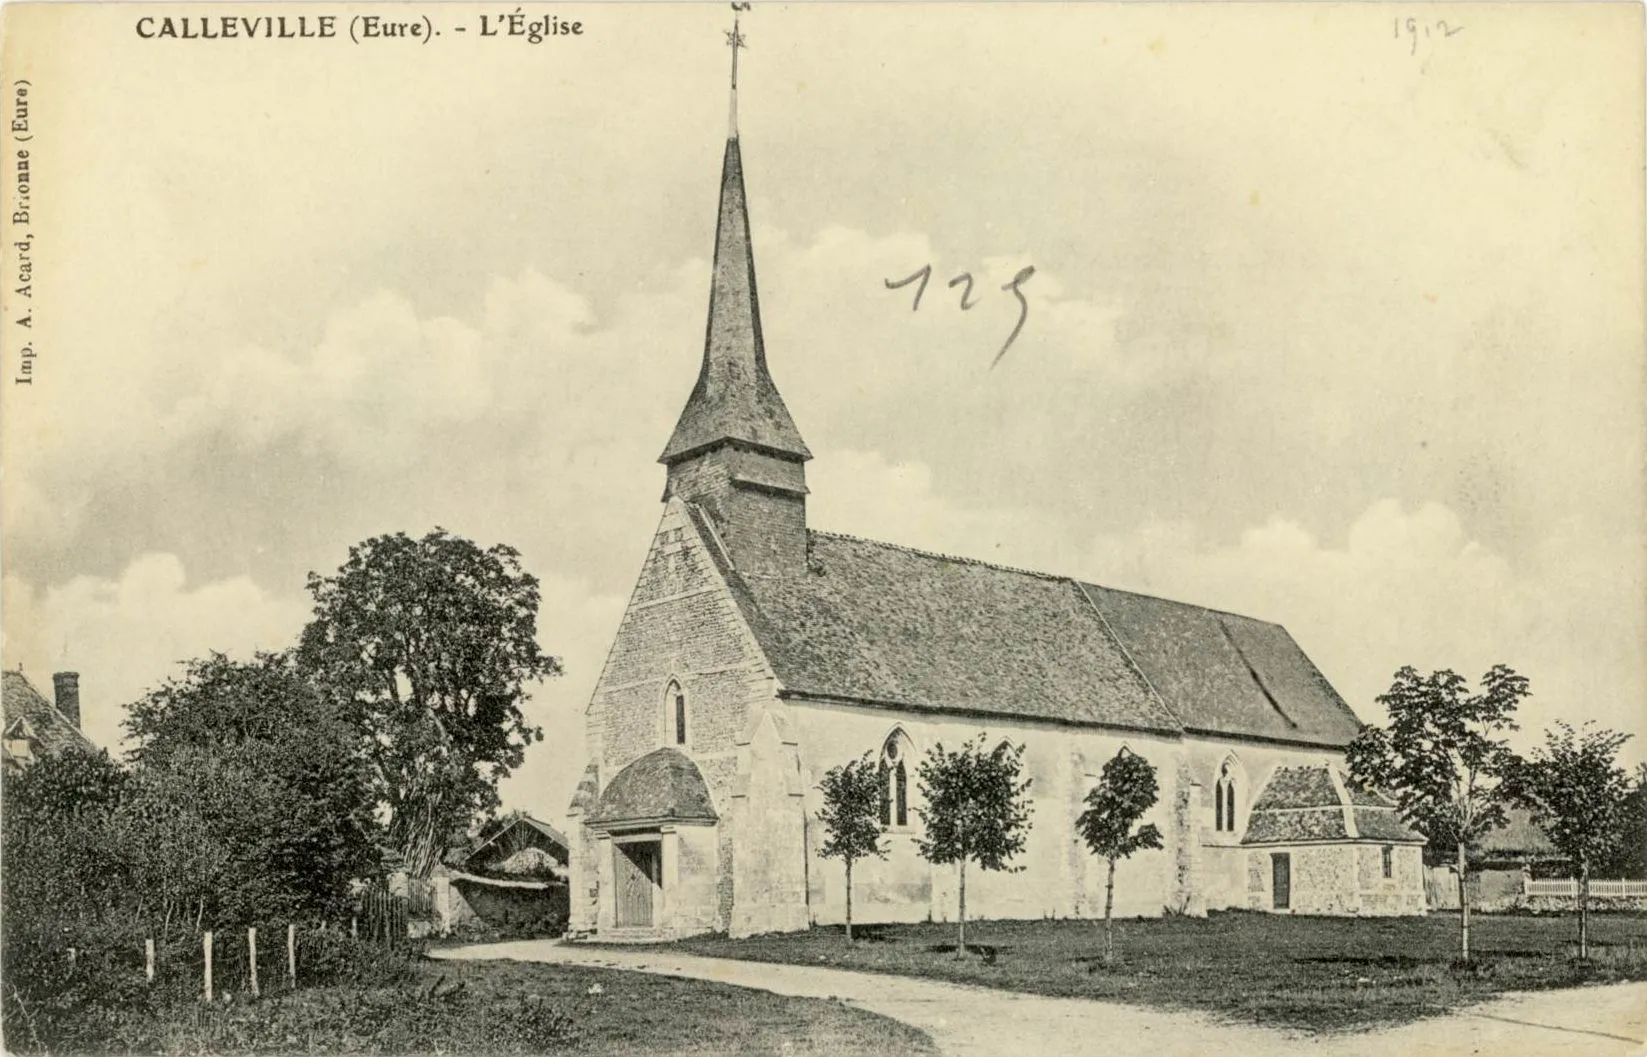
(735, 40)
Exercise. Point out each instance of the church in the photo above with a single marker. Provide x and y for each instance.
(757, 652)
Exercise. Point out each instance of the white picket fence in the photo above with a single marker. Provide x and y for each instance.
(1567, 887)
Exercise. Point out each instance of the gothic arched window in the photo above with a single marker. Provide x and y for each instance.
(895, 780)
(1223, 795)
(677, 710)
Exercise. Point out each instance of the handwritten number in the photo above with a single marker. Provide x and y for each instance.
(1023, 309)
(923, 275)
(1413, 25)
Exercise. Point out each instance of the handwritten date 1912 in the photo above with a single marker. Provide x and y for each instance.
(1413, 29)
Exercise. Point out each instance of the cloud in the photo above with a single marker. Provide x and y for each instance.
(1404, 585)
(126, 634)
(1411, 586)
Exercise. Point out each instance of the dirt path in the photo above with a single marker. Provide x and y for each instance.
(981, 1022)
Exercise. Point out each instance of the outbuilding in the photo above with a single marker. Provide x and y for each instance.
(1317, 845)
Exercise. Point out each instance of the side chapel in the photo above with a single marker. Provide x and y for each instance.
(757, 652)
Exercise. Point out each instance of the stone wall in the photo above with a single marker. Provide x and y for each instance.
(693, 900)
(769, 832)
(1403, 891)
(681, 625)
(1341, 879)
(1059, 877)
(1224, 860)
(582, 871)
(757, 502)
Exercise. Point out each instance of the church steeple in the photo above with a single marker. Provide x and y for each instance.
(735, 450)
(735, 398)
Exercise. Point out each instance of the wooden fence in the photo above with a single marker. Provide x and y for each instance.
(1567, 888)
(251, 960)
(382, 917)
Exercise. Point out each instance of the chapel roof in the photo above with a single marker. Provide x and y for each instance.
(662, 786)
(884, 624)
(1300, 805)
(1227, 674)
(878, 623)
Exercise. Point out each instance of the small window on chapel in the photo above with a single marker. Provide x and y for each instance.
(677, 699)
(1223, 796)
(894, 785)
(1389, 861)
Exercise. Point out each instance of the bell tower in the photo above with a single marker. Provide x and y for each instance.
(735, 451)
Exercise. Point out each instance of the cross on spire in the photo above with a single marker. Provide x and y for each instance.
(736, 41)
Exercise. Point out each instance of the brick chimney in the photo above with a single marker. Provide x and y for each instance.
(66, 688)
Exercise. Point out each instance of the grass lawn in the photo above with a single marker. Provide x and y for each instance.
(494, 1008)
(639, 1013)
(1317, 974)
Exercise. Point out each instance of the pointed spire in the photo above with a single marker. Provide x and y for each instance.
(735, 398)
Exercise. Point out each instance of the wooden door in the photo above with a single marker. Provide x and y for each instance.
(1281, 879)
(638, 867)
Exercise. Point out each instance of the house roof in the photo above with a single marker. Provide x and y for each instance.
(883, 624)
(544, 829)
(50, 729)
(735, 398)
(662, 786)
(1300, 805)
(1519, 838)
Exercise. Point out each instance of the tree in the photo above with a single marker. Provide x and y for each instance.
(431, 644)
(249, 798)
(1629, 857)
(1442, 759)
(1126, 789)
(976, 809)
(1576, 792)
(851, 816)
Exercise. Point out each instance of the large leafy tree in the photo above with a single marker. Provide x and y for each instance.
(851, 817)
(249, 799)
(976, 809)
(431, 643)
(1442, 758)
(1576, 792)
(1126, 789)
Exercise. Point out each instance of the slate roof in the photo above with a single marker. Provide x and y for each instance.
(883, 624)
(51, 730)
(1227, 674)
(735, 398)
(1519, 839)
(662, 786)
(1303, 804)
(878, 623)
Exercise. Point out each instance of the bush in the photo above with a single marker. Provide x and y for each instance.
(104, 1003)
(368, 1020)
(90, 1005)
(336, 958)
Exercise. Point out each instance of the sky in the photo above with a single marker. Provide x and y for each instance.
(1333, 322)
